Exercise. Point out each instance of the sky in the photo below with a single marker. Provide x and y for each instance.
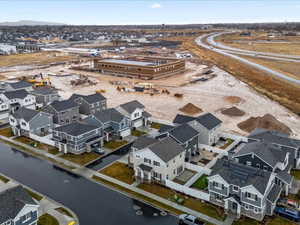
(113, 12)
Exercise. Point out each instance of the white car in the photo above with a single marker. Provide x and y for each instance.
(185, 219)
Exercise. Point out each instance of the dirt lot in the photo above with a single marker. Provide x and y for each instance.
(210, 96)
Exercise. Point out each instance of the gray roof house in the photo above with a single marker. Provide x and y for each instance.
(207, 125)
(242, 189)
(156, 160)
(64, 112)
(19, 85)
(112, 121)
(89, 104)
(17, 207)
(29, 121)
(45, 95)
(136, 112)
(77, 138)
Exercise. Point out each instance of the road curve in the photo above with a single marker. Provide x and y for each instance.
(209, 46)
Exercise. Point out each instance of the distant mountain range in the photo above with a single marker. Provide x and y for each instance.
(30, 23)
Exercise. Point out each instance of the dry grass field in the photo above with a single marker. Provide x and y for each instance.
(38, 58)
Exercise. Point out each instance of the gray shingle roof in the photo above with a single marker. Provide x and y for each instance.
(183, 133)
(274, 137)
(12, 202)
(143, 142)
(131, 106)
(63, 105)
(284, 176)
(268, 152)
(209, 121)
(109, 115)
(166, 149)
(20, 84)
(181, 119)
(25, 113)
(165, 128)
(21, 94)
(76, 128)
(274, 193)
(93, 98)
(241, 175)
(44, 91)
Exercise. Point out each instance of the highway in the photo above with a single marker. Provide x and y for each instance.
(213, 46)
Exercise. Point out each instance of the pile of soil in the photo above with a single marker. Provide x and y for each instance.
(233, 111)
(267, 122)
(190, 109)
(233, 99)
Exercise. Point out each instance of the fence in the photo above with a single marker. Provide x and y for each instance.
(45, 140)
(188, 191)
(198, 169)
(234, 137)
(213, 149)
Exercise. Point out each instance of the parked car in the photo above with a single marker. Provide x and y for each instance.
(290, 214)
(99, 150)
(288, 203)
(185, 219)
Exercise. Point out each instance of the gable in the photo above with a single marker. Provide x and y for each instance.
(251, 189)
(217, 178)
(26, 209)
(147, 153)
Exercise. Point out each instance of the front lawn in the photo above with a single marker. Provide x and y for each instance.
(81, 159)
(4, 179)
(36, 144)
(189, 202)
(114, 144)
(7, 132)
(228, 142)
(201, 183)
(47, 219)
(137, 133)
(119, 171)
(155, 125)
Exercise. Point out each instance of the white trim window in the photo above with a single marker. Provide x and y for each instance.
(235, 188)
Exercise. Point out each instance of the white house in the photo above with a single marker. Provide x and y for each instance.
(156, 160)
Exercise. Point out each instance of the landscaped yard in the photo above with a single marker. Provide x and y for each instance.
(119, 171)
(188, 202)
(4, 179)
(137, 133)
(155, 125)
(47, 219)
(201, 183)
(228, 142)
(36, 144)
(115, 144)
(7, 132)
(81, 159)
(64, 211)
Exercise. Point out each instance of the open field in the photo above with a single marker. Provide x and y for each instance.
(261, 43)
(119, 171)
(33, 59)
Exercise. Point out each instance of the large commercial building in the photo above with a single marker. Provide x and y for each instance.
(140, 67)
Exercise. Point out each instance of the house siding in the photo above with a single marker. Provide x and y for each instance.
(33, 219)
(255, 162)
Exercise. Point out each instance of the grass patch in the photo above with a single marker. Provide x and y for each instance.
(81, 159)
(228, 142)
(201, 183)
(28, 141)
(4, 179)
(34, 195)
(47, 219)
(189, 202)
(296, 174)
(246, 221)
(274, 220)
(64, 211)
(137, 133)
(115, 144)
(156, 125)
(7, 132)
(119, 171)
(277, 220)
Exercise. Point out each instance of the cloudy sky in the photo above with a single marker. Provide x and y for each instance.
(150, 12)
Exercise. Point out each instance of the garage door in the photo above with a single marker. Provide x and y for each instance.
(138, 123)
(125, 133)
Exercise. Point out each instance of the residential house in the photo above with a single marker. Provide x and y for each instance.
(185, 135)
(26, 121)
(112, 121)
(19, 85)
(17, 207)
(287, 144)
(207, 125)
(242, 189)
(77, 138)
(10, 101)
(156, 160)
(136, 112)
(89, 104)
(64, 112)
(45, 95)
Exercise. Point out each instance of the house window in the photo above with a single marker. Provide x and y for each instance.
(147, 160)
(265, 167)
(156, 163)
(235, 188)
(246, 206)
(23, 124)
(248, 163)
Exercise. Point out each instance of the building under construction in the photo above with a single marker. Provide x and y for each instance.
(142, 67)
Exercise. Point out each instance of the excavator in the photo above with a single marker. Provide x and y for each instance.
(38, 80)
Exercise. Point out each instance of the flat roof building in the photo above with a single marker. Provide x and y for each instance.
(141, 67)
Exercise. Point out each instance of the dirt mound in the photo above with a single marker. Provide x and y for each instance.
(190, 109)
(267, 122)
(233, 111)
(233, 99)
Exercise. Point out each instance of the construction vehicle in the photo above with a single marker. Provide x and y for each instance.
(100, 91)
(38, 80)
